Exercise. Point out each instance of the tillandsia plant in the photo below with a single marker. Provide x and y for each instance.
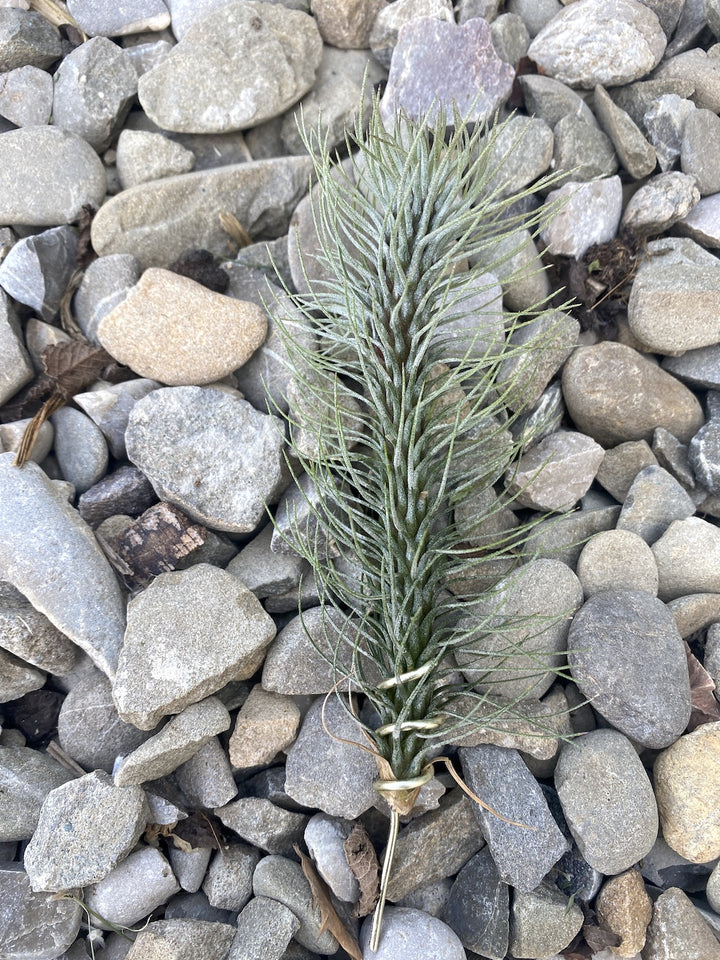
(400, 420)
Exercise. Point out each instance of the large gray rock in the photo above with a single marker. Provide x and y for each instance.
(37, 269)
(27, 37)
(582, 214)
(158, 221)
(241, 65)
(132, 890)
(37, 926)
(26, 778)
(50, 554)
(410, 934)
(688, 558)
(183, 938)
(555, 473)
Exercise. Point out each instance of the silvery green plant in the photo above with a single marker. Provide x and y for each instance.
(400, 422)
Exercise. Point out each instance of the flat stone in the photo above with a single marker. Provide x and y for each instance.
(614, 394)
(325, 839)
(612, 42)
(126, 491)
(554, 334)
(172, 329)
(240, 66)
(552, 100)
(37, 269)
(502, 780)
(176, 743)
(266, 573)
(263, 824)
(661, 202)
(624, 908)
(283, 880)
(80, 448)
(34, 925)
(614, 834)
(143, 156)
(542, 923)
(128, 17)
(109, 407)
(47, 176)
(27, 38)
(26, 96)
(17, 678)
(178, 437)
(26, 778)
(697, 368)
(266, 724)
(688, 558)
(588, 213)
(189, 633)
(328, 773)
(262, 194)
(582, 152)
(634, 152)
(89, 728)
(435, 64)
(654, 501)
(29, 635)
(521, 151)
(42, 534)
(182, 939)
(701, 70)
(646, 697)
(264, 930)
(228, 883)
(555, 473)
(617, 559)
(94, 87)
(678, 929)
(478, 908)
(673, 457)
(72, 846)
(139, 884)
(409, 934)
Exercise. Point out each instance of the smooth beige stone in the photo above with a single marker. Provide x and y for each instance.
(172, 329)
(266, 724)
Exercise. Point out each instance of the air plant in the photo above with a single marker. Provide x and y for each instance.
(400, 422)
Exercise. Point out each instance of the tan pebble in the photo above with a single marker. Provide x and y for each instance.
(266, 724)
(624, 907)
(172, 329)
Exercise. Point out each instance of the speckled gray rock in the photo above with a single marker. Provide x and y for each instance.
(144, 156)
(435, 63)
(702, 223)
(264, 930)
(614, 394)
(611, 42)
(109, 407)
(34, 925)
(582, 151)
(677, 929)
(551, 100)
(132, 890)
(241, 65)
(510, 37)
(263, 824)
(190, 866)
(644, 695)
(704, 448)
(183, 938)
(264, 572)
(262, 194)
(546, 587)
(281, 879)
(326, 773)
(206, 779)
(410, 934)
(633, 150)
(702, 70)
(478, 907)
(188, 634)
(16, 370)
(664, 120)
(42, 534)
(178, 436)
(673, 457)
(47, 175)
(614, 834)
(26, 96)
(588, 213)
(517, 265)
(72, 846)
(37, 269)
(89, 728)
(80, 448)
(502, 779)
(697, 368)
(27, 634)
(130, 16)
(688, 558)
(178, 740)
(94, 88)
(542, 922)
(521, 152)
(228, 883)
(700, 150)
(555, 473)
(27, 38)
(660, 203)
(266, 724)
(653, 502)
(616, 560)
(17, 678)
(325, 837)
(26, 778)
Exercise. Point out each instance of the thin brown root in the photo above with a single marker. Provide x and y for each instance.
(385, 879)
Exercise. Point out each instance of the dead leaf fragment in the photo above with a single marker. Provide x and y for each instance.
(329, 920)
(157, 541)
(705, 708)
(362, 860)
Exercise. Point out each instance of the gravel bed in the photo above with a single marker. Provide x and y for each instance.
(165, 760)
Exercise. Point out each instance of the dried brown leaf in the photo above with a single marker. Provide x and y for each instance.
(27, 401)
(705, 708)
(362, 860)
(74, 365)
(329, 920)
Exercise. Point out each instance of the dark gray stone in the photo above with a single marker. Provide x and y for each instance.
(264, 930)
(478, 909)
(264, 572)
(653, 502)
(562, 538)
(673, 457)
(263, 824)
(572, 873)
(206, 779)
(521, 151)
(126, 491)
(26, 37)
(34, 925)
(510, 37)
(37, 269)
(664, 120)
(502, 780)
(626, 655)
(704, 449)
(697, 368)
(16, 369)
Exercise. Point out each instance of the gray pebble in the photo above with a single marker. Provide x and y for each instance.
(617, 559)
(688, 558)
(27, 37)
(188, 634)
(510, 37)
(697, 368)
(607, 800)
(37, 269)
(621, 464)
(582, 151)
(633, 150)
(703, 72)
(26, 778)
(228, 884)
(324, 838)
(263, 824)
(96, 18)
(555, 335)
(190, 866)
(264, 929)
(11, 435)
(502, 780)
(660, 203)
(17, 678)
(145, 56)
(677, 929)
(535, 14)
(105, 283)
(700, 150)
(34, 925)
(206, 779)
(143, 156)
(653, 502)
(72, 846)
(409, 934)
(26, 96)
(626, 655)
(587, 213)
(517, 265)
(94, 88)
(542, 922)
(556, 473)
(266, 573)
(109, 408)
(702, 223)
(673, 457)
(16, 369)
(132, 890)
(551, 100)
(521, 152)
(27, 634)
(80, 448)
(664, 120)
(384, 32)
(478, 908)
(183, 938)
(704, 448)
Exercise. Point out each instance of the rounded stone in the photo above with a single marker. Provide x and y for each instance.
(688, 558)
(627, 657)
(80, 448)
(616, 560)
(624, 907)
(410, 934)
(136, 887)
(607, 800)
(687, 787)
(582, 214)
(172, 329)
